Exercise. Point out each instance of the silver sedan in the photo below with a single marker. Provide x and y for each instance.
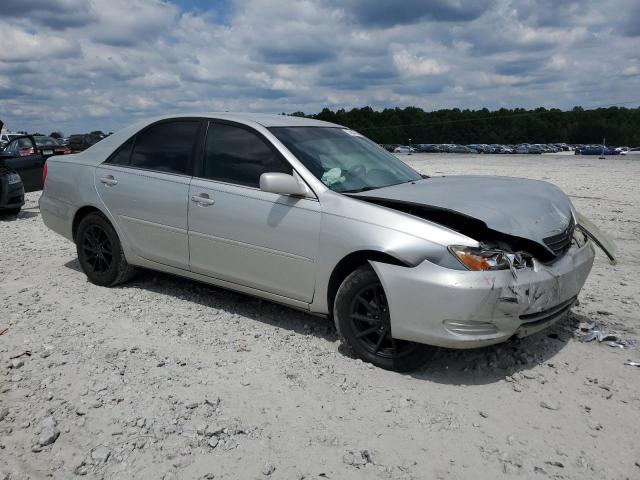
(315, 216)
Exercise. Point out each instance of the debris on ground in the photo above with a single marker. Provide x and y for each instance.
(633, 364)
(268, 469)
(602, 335)
(26, 353)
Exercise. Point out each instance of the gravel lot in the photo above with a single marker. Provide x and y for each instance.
(166, 378)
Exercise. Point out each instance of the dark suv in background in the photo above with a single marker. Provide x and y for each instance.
(79, 143)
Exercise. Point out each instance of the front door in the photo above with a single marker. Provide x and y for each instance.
(241, 234)
(22, 155)
(145, 187)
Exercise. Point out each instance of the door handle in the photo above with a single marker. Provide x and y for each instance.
(109, 181)
(203, 200)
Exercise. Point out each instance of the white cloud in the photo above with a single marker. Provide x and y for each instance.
(417, 66)
(19, 45)
(76, 66)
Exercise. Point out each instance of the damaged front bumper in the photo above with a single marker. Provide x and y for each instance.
(439, 306)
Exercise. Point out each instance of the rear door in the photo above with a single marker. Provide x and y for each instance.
(22, 155)
(241, 234)
(145, 186)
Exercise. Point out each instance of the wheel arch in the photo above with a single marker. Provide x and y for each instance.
(349, 263)
(81, 213)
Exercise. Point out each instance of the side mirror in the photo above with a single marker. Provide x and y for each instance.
(283, 184)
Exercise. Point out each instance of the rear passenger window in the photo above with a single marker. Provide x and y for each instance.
(165, 147)
(237, 155)
(121, 157)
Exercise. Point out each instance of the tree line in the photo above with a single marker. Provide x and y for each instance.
(619, 125)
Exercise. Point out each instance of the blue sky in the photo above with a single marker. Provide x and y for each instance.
(79, 65)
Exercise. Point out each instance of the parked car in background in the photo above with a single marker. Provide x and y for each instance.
(11, 190)
(21, 170)
(498, 149)
(403, 149)
(79, 143)
(534, 150)
(633, 151)
(428, 148)
(477, 148)
(459, 149)
(316, 216)
(49, 146)
(596, 150)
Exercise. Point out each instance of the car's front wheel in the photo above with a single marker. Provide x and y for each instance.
(363, 319)
(100, 252)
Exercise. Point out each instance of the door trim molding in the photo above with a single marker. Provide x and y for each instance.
(250, 246)
(154, 224)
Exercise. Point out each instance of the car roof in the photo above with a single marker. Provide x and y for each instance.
(101, 150)
(264, 119)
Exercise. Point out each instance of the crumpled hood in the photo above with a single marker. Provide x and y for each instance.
(530, 209)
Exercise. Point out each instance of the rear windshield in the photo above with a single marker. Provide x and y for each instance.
(45, 141)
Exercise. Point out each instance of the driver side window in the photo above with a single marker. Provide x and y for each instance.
(239, 156)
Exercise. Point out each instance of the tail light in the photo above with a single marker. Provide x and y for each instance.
(44, 173)
(25, 151)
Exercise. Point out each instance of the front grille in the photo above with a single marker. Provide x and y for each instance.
(561, 242)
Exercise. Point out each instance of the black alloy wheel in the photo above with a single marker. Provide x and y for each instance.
(371, 322)
(97, 248)
(363, 318)
(100, 253)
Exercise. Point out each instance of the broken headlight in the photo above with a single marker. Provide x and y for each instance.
(479, 259)
(579, 238)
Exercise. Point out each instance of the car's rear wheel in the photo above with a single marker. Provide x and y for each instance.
(362, 317)
(100, 252)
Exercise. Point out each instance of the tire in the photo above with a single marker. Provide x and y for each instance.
(100, 252)
(367, 329)
(10, 211)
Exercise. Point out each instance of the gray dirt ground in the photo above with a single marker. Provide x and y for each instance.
(167, 378)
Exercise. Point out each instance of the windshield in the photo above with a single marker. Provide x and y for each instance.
(45, 141)
(344, 160)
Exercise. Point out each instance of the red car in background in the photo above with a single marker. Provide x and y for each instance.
(49, 146)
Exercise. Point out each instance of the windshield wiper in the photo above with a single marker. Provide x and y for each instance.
(358, 190)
